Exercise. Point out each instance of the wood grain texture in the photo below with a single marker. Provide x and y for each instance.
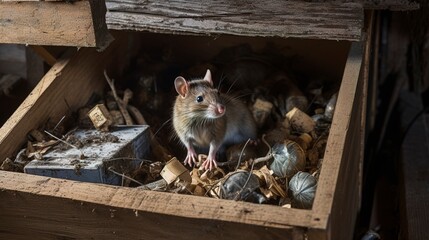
(56, 208)
(53, 23)
(339, 21)
(335, 205)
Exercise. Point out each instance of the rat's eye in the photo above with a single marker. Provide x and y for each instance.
(200, 99)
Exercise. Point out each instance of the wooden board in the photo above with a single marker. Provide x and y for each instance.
(342, 158)
(81, 23)
(339, 21)
(55, 208)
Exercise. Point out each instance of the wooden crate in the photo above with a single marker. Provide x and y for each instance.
(56, 208)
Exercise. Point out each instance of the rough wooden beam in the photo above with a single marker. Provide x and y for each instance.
(81, 23)
(339, 21)
(52, 208)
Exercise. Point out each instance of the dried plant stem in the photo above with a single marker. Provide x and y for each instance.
(119, 101)
(65, 142)
(124, 176)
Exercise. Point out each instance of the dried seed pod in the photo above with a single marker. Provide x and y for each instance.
(330, 107)
(240, 186)
(289, 158)
(302, 187)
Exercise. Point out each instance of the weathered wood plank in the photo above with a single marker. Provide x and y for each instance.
(81, 23)
(338, 178)
(339, 21)
(56, 207)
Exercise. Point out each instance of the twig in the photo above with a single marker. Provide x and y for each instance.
(61, 120)
(67, 143)
(269, 154)
(119, 101)
(124, 176)
(241, 154)
(52, 135)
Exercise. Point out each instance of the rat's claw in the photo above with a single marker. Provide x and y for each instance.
(191, 158)
(210, 163)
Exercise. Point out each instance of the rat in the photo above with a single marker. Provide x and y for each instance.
(205, 118)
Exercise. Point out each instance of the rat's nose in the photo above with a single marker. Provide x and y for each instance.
(220, 109)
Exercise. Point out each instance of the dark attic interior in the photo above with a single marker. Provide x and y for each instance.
(294, 120)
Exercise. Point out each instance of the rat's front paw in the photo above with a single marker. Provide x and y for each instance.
(191, 158)
(209, 163)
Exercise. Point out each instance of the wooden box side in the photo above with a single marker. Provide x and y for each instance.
(335, 205)
(49, 208)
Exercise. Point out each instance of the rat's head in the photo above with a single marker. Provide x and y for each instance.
(199, 97)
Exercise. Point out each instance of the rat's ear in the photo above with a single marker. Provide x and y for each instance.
(182, 86)
(208, 77)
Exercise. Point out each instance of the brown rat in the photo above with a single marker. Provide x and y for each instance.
(203, 117)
